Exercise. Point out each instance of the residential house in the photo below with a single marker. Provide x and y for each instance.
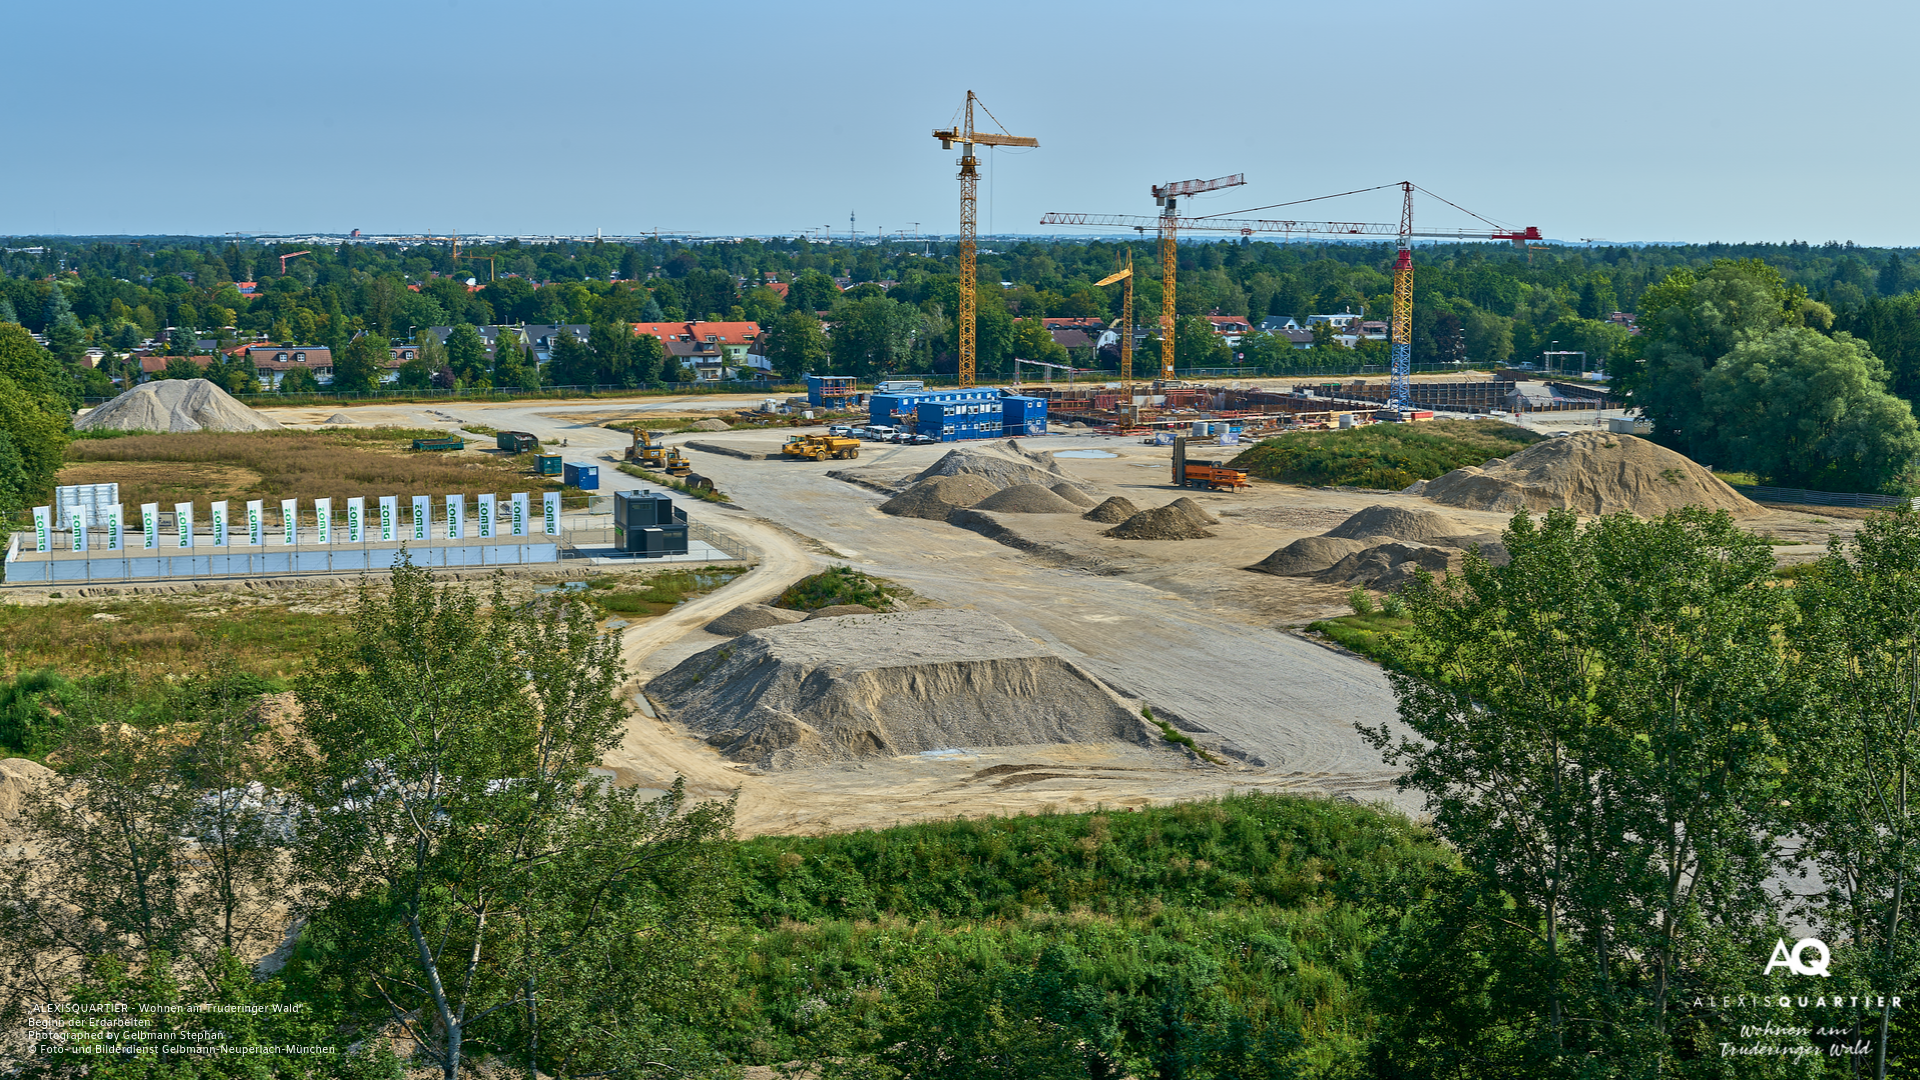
(1273, 324)
(1230, 327)
(151, 366)
(712, 350)
(272, 362)
(1375, 330)
(542, 337)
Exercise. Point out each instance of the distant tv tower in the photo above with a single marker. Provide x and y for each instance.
(852, 235)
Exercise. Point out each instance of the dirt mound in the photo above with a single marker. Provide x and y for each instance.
(1073, 495)
(175, 405)
(1590, 473)
(1169, 522)
(1308, 555)
(1397, 523)
(1387, 566)
(1112, 512)
(1026, 499)
(869, 686)
(748, 617)
(1193, 511)
(18, 776)
(1030, 468)
(836, 611)
(341, 418)
(934, 498)
(712, 425)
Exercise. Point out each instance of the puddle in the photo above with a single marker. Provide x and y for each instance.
(1083, 454)
(942, 754)
(566, 586)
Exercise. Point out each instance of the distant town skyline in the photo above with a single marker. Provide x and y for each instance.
(1642, 122)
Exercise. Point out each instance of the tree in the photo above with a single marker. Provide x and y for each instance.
(1856, 648)
(1032, 341)
(1273, 354)
(1805, 410)
(234, 374)
(470, 858)
(649, 356)
(1596, 724)
(1196, 345)
(796, 346)
(811, 291)
(181, 367)
(359, 367)
(571, 362)
(611, 344)
(466, 353)
(299, 381)
(872, 336)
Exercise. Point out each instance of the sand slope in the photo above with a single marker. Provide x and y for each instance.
(868, 686)
(1590, 473)
(174, 405)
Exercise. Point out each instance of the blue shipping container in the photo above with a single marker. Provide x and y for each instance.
(580, 475)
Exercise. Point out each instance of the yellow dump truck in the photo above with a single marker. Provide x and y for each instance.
(821, 447)
(649, 452)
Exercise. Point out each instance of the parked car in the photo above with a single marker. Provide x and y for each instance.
(878, 433)
(899, 437)
(841, 430)
(921, 440)
(856, 433)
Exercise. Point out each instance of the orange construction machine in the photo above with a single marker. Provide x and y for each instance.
(1210, 475)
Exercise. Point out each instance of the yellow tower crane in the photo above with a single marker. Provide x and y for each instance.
(1164, 196)
(969, 200)
(1126, 327)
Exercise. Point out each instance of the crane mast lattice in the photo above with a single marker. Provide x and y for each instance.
(969, 215)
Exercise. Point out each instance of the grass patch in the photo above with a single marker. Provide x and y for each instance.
(712, 495)
(1373, 635)
(1797, 571)
(1388, 456)
(338, 463)
(479, 429)
(1744, 479)
(656, 594)
(1258, 903)
(834, 586)
(153, 637)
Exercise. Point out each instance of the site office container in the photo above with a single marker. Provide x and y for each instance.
(516, 442)
(549, 464)
(1021, 415)
(581, 475)
(647, 523)
(884, 408)
(960, 420)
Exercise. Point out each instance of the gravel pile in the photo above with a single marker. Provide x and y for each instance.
(1390, 565)
(1170, 522)
(341, 418)
(1397, 523)
(1026, 499)
(1112, 512)
(1074, 495)
(1308, 555)
(1023, 468)
(874, 686)
(1590, 473)
(749, 617)
(935, 498)
(175, 405)
(712, 425)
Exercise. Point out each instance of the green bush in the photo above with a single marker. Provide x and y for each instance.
(834, 586)
(1360, 600)
(1388, 456)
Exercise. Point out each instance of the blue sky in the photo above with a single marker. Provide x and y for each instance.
(1682, 120)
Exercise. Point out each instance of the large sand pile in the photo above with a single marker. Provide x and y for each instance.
(1308, 555)
(175, 405)
(748, 617)
(1026, 499)
(1398, 523)
(1181, 519)
(936, 497)
(1003, 468)
(1590, 473)
(711, 425)
(866, 686)
(1389, 565)
(1115, 510)
(1074, 495)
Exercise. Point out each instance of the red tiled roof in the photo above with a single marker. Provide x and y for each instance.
(153, 365)
(779, 287)
(726, 333)
(1077, 323)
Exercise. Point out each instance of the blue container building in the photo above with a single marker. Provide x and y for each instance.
(1023, 415)
(831, 391)
(580, 475)
(957, 421)
(883, 407)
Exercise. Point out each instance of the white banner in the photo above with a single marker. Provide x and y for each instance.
(486, 517)
(456, 517)
(389, 518)
(323, 516)
(219, 519)
(116, 522)
(256, 523)
(520, 514)
(149, 525)
(289, 521)
(77, 521)
(550, 513)
(356, 519)
(183, 523)
(43, 528)
(422, 516)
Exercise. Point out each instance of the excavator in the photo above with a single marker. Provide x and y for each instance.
(649, 452)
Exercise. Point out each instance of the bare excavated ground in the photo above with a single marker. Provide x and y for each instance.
(1178, 625)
